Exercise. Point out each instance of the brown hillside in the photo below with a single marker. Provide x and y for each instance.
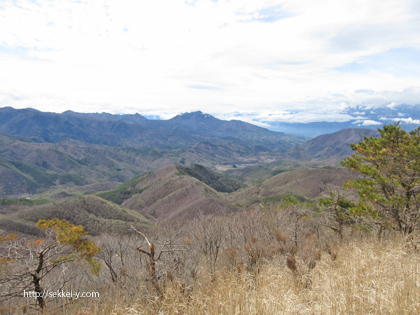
(168, 196)
(306, 182)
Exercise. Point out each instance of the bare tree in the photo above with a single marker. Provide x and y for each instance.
(208, 233)
(155, 255)
(114, 253)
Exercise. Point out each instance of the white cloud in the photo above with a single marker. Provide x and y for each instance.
(390, 98)
(407, 120)
(366, 122)
(265, 117)
(369, 122)
(271, 58)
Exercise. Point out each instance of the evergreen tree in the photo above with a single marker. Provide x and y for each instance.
(390, 186)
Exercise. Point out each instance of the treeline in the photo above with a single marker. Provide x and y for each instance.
(216, 181)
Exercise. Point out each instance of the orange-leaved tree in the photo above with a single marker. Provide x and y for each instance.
(24, 263)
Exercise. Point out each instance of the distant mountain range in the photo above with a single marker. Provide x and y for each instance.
(40, 151)
(137, 131)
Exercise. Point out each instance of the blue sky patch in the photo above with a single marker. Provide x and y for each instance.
(398, 61)
(15, 51)
(268, 15)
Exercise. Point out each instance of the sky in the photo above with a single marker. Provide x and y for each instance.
(287, 60)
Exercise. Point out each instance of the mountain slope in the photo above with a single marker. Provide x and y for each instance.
(310, 183)
(40, 150)
(29, 167)
(336, 144)
(166, 195)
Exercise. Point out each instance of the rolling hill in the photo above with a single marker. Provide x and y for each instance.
(169, 194)
(175, 193)
(95, 214)
(310, 183)
(30, 167)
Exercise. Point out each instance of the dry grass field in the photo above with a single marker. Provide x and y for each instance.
(363, 277)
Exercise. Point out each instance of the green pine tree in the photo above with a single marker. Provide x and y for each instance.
(390, 186)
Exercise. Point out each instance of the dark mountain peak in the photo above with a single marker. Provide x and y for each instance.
(198, 115)
(68, 112)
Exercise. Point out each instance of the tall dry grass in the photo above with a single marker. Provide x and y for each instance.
(368, 277)
(365, 276)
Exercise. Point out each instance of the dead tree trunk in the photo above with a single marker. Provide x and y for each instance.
(36, 280)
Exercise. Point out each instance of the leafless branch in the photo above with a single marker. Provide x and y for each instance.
(144, 236)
